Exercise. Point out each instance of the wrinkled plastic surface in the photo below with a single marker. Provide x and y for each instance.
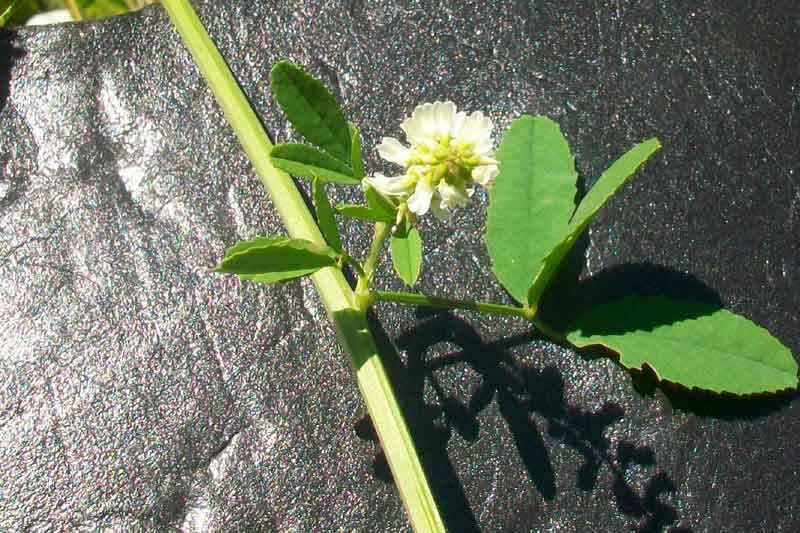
(142, 392)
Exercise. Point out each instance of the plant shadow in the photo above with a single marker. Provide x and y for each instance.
(9, 53)
(532, 404)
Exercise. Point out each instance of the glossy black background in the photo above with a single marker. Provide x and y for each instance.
(141, 392)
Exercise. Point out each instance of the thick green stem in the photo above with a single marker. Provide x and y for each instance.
(483, 307)
(348, 319)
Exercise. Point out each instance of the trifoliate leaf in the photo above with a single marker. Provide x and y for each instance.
(308, 162)
(356, 161)
(274, 259)
(406, 254)
(327, 224)
(693, 344)
(531, 202)
(312, 109)
(363, 213)
(608, 183)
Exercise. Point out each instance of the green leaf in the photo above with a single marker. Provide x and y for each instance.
(407, 256)
(363, 213)
(308, 162)
(94, 9)
(379, 202)
(693, 344)
(274, 259)
(531, 201)
(327, 224)
(608, 183)
(10, 10)
(312, 109)
(356, 161)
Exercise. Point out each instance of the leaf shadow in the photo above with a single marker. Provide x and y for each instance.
(531, 402)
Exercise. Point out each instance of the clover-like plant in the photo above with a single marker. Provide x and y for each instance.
(532, 225)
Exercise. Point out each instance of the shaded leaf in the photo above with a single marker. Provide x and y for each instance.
(327, 224)
(363, 213)
(274, 259)
(406, 254)
(379, 202)
(308, 162)
(356, 161)
(608, 183)
(531, 201)
(312, 109)
(693, 344)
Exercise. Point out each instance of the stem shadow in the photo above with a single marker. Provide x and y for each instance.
(532, 404)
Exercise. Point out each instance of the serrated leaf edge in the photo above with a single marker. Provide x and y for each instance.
(761, 329)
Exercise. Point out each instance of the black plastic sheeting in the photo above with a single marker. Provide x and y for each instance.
(142, 392)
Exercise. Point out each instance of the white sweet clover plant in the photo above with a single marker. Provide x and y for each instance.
(447, 154)
(531, 226)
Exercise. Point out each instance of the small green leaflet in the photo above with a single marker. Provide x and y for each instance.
(308, 162)
(312, 109)
(406, 254)
(380, 203)
(363, 213)
(327, 224)
(274, 259)
(531, 201)
(356, 161)
(694, 344)
(608, 183)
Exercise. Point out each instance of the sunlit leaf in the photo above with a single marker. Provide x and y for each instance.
(363, 213)
(308, 162)
(356, 161)
(608, 183)
(325, 219)
(531, 202)
(274, 259)
(312, 109)
(693, 344)
(406, 251)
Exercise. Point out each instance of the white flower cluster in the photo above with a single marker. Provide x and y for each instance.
(450, 152)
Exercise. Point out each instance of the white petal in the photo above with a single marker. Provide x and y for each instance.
(452, 196)
(483, 147)
(420, 201)
(391, 185)
(458, 124)
(445, 113)
(391, 150)
(418, 126)
(485, 174)
(50, 17)
(476, 128)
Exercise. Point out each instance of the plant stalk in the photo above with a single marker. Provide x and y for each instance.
(74, 10)
(482, 307)
(382, 230)
(348, 319)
